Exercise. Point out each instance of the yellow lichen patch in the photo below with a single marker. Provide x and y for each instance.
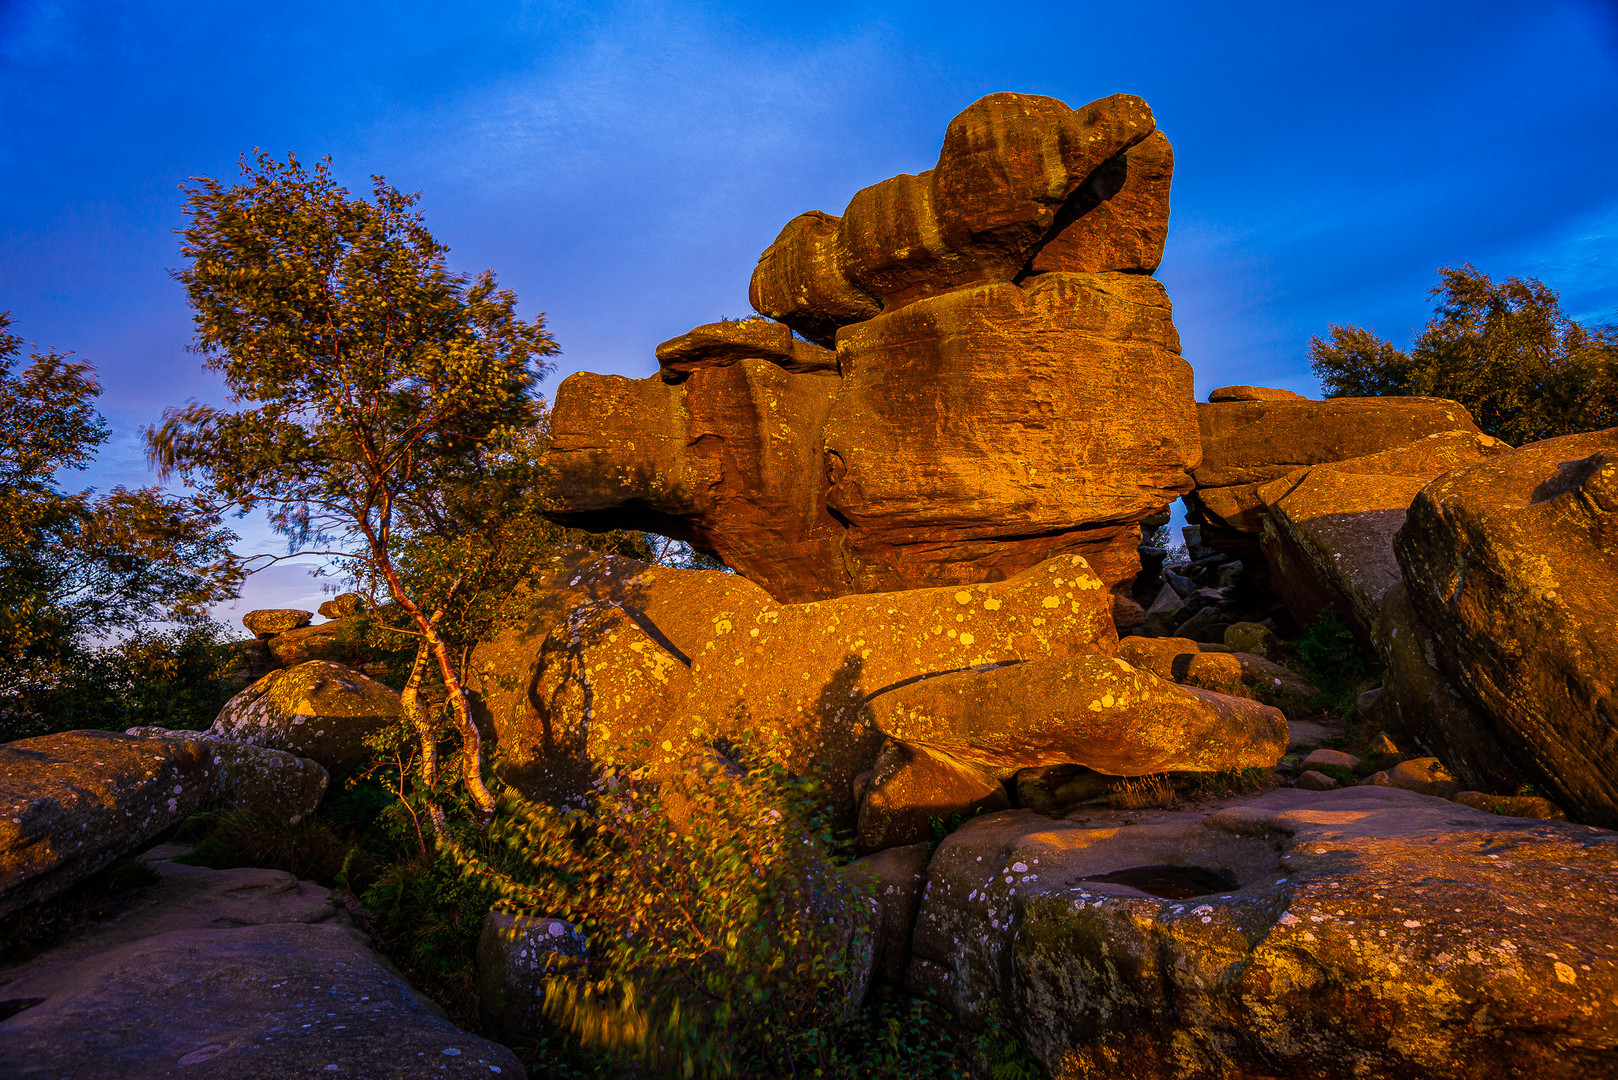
(967, 639)
(963, 597)
(991, 604)
(1052, 601)
(722, 626)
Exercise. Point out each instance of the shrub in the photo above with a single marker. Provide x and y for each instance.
(1330, 657)
(720, 938)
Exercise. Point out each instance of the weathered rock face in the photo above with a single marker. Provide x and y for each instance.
(911, 785)
(1362, 932)
(1328, 529)
(1249, 442)
(1096, 711)
(270, 784)
(897, 877)
(620, 663)
(72, 804)
(1007, 383)
(317, 710)
(228, 974)
(1510, 565)
(1239, 674)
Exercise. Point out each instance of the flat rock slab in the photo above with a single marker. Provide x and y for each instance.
(71, 804)
(229, 974)
(1354, 933)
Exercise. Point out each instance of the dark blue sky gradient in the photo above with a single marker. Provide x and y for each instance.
(622, 165)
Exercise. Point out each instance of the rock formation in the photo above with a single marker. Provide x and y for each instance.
(1509, 565)
(994, 377)
(1364, 932)
(317, 710)
(620, 663)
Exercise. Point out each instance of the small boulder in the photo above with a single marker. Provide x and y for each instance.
(1310, 780)
(1253, 393)
(268, 622)
(317, 710)
(896, 877)
(515, 956)
(1424, 776)
(913, 785)
(721, 344)
(1323, 756)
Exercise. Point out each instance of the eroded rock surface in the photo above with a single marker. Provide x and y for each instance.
(1006, 386)
(318, 710)
(1361, 932)
(1510, 565)
(271, 784)
(228, 974)
(72, 804)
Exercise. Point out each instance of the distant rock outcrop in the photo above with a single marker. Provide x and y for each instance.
(1006, 384)
(317, 710)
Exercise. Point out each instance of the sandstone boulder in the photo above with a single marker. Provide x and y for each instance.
(620, 662)
(1022, 182)
(1341, 934)
(1510, 565)
(1095, 711)
(1065, 376)
(721, 344)
(228, 974)
(271, 621)
(896, 878)
(1328, 529)
(1521, 806)
(729, 459)
(1253, 393)
(1249, 443)
(317, 710)
(342, 606)
(336, 641)
(270, 784)
(516, 954)
(72, 804)
(911, 786)
(1239, 674)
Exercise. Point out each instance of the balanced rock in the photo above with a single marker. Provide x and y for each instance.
(268, 622)
(1352, 933)
(1249, 443)
(1007, 383)
(1510, 565)
(317, 710)
(342, 606)
(1253, 393)
(1328, 530)
(72, 804)
(721, 344)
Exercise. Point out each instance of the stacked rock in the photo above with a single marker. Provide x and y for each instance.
(990, 377)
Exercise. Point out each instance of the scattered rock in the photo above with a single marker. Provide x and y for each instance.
(72, 804)
(1523, 806)
(1310, 780)
(271, 784)
(1368, 704)
(1166, 612)
(317, 710)
(515, 955)
(1280, 934)
(228, 974)
(1509, 564)
(1425, 776)
(1259, 640)
(271, 621)
(343, 606)
(911, 786)
(1253, 393)
(1324, 756)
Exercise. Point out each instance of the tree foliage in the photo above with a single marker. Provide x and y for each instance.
(77, 568)
(1507, 352)
(366, 381)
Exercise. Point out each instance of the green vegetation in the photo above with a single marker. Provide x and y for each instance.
(1507, 352)
(78, 569)
(1330, 657)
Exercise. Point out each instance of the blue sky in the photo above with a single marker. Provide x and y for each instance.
(620, 166)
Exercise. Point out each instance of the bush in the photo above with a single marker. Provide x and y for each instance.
(721, 940)
(1329, 656)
